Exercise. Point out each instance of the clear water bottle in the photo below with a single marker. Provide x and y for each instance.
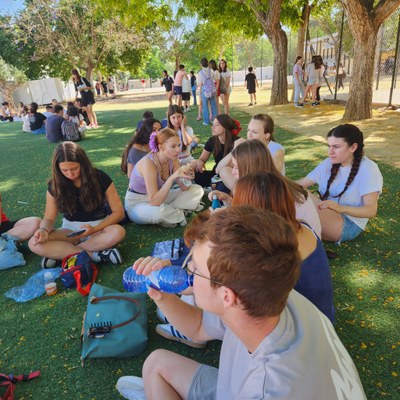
(50, 285)
(173, 279)
(186, 182)
(215, 202)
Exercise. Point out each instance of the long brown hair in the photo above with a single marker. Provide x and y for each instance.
(63, 189)
(269, 191)
(351, 135)
(175, 109)
(142, 137)
(254, 156)
(229, 125)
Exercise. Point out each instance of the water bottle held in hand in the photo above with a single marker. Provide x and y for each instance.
(215, 202)
(173, 279)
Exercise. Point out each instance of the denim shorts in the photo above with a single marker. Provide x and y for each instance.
(204, 383)
(350, 230)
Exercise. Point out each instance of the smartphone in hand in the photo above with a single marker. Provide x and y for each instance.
(76, 233)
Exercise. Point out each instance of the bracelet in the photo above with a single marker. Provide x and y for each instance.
(44, 229)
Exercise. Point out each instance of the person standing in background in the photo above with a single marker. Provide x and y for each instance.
(193, 85)
(251, 83)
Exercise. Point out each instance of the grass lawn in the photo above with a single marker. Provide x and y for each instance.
(45, 333)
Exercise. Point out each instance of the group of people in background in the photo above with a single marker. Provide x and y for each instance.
(307, 82)
(213, 83)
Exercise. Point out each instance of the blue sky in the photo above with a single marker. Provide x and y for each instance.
(7, 6)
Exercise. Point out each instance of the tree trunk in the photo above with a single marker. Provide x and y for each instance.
(301, 32)
(359, 103)
(279, 91)
(364, 20)
(89, 70)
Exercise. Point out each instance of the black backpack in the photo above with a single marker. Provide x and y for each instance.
(70, 131)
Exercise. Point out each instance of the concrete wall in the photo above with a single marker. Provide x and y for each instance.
(44, 90)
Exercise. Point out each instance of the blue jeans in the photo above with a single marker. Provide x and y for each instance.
(298, 91)
(194, 95)
(350, 230)
(214, 111)
(39, 131)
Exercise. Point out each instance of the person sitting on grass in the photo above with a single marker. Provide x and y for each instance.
(6, 114)
(138, 146)
(20, 229)
(254, 156)
(178, 122)
(37, 120)
(349, 184)
(89, 201)
(26, 125)
(158, 191)
(261, 127)
(146, 115)
(74, 116)
(225, 132)
(270, 191)
(53, 125)
(275, 343)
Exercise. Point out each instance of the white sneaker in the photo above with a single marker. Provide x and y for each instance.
(131, 387)
(160, 315)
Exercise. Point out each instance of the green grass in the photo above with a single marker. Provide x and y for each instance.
(44, 333)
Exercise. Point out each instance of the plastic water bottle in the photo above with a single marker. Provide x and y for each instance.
(50, 284)
(186, 182)
(173, 279)
(215, 202)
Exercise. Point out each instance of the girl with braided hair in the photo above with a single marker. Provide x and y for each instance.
(349, 184)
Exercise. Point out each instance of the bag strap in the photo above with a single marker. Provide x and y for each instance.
(95, 300)
(84, 291)
(10, 381)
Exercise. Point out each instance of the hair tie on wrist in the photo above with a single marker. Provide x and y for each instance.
(44, 229)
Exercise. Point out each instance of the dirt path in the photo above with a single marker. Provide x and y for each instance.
(381, 133)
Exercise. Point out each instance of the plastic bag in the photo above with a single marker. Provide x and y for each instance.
(33, 287)
(9, 256)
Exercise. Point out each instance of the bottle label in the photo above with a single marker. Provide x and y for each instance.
(51, 288)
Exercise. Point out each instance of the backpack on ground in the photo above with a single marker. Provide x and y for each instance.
(78, 271)
(208, 84)
(70, 131)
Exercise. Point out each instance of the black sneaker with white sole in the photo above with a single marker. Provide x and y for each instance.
(48, 263)
(110, 256)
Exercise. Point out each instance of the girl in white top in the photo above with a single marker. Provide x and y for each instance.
(178, 122)
(349, 184)
(261, 127)
(225, 85)
(253, 156)
(26, 126)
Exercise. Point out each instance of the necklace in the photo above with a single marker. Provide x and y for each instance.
(162, 165)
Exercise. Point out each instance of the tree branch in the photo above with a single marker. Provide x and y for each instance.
(384, 10)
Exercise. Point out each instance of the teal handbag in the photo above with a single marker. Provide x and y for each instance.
(114, 325)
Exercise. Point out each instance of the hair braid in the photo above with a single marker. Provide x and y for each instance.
(334, 171)
(354, 169)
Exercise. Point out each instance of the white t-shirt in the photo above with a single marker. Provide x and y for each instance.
(273, 147)
(368, 180)
(307, 212)
(186, 85)
(302, 359)
(215, 75)
(184, 156)
(26, 126)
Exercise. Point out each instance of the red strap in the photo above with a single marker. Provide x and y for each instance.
(9, 393)
(84, 291)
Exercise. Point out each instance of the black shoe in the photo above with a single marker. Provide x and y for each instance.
(110, 256)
